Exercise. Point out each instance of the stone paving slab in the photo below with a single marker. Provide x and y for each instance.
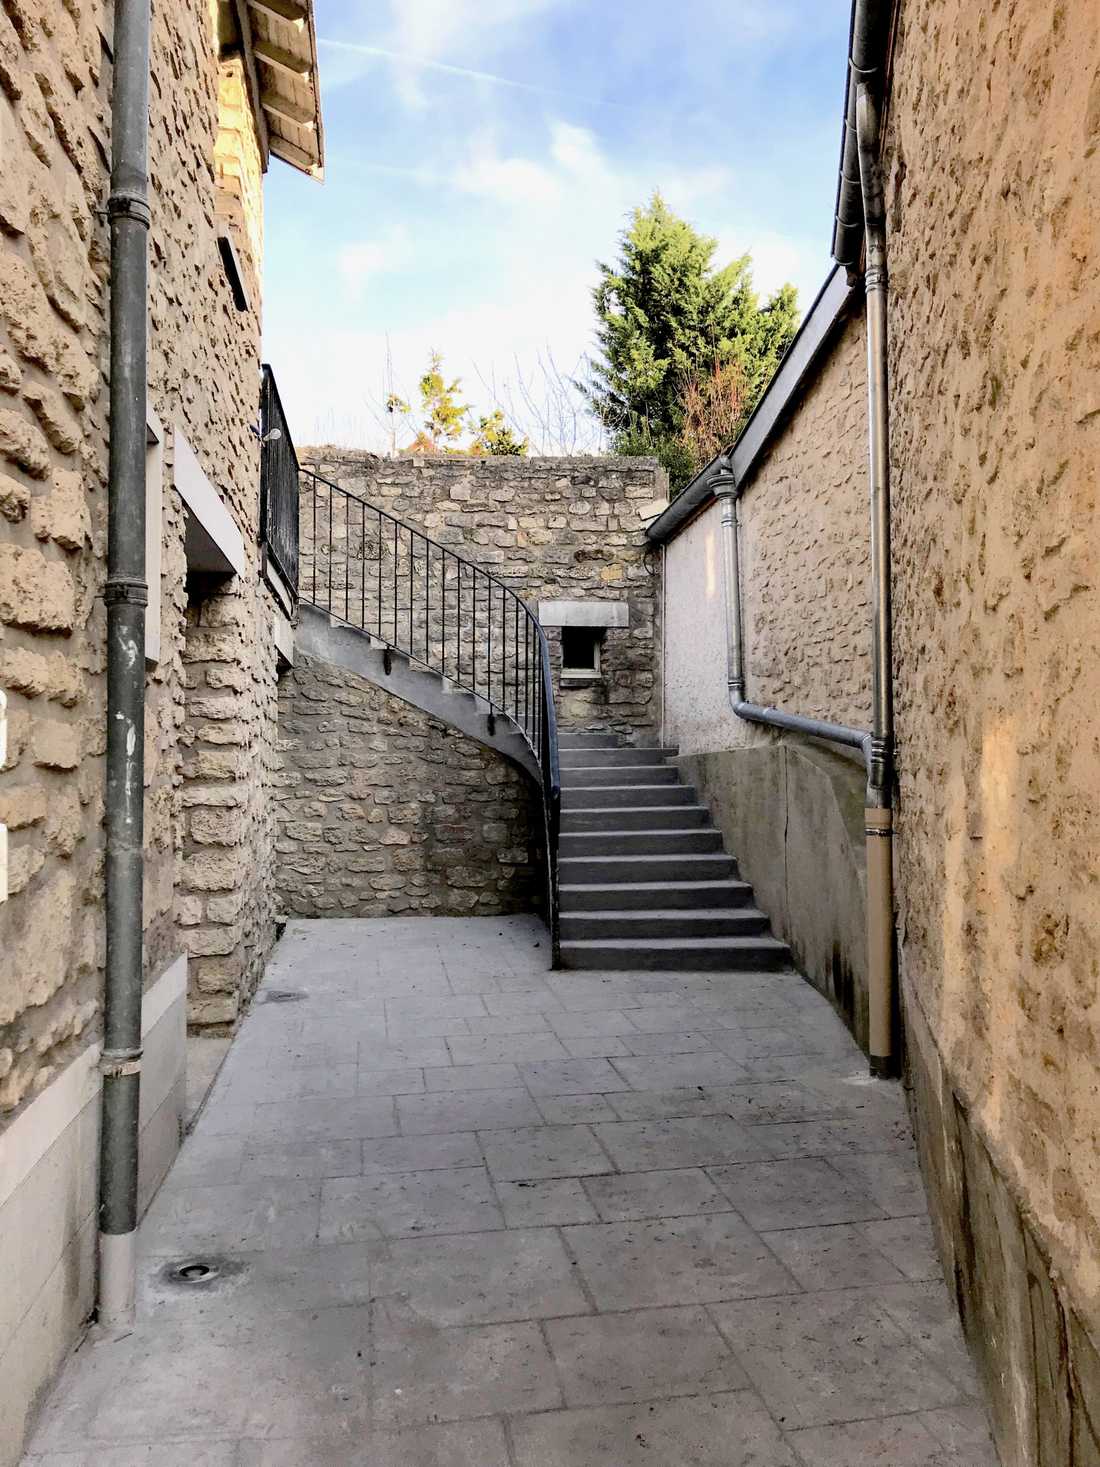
(466, 1212)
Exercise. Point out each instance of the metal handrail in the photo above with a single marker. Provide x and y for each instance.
(370, 570)
(278, 484)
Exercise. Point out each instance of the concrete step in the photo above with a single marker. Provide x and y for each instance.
(590, 741)
(663, 922)
(617, 842)
(645, 817)
(700, 954)
(633, 896)
(588, 777)
(629, 796)
(616, 870)
(612, 758)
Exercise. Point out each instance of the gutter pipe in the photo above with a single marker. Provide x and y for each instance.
(880, 771)
(126, 595)
(876, 744)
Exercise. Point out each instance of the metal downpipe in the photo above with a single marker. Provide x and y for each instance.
(126, 595)
(879, 811)
(727, 492)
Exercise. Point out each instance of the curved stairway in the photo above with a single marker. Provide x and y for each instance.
(644, 880)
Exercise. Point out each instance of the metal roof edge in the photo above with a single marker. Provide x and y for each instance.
(831, 305)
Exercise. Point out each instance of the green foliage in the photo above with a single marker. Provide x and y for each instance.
(669, 449)
(667, 317)
(496, 439)
(445, 417)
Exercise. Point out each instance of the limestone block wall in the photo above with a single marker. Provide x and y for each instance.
(993, 154)
(55, 118)
(385, 811)
(55, 88)
(804, 554)
(565, 528)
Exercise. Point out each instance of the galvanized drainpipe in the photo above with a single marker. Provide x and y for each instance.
(126, 596)
(879, 810)
(876, 745)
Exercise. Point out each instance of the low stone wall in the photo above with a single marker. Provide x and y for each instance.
(383, 810)
(792, 814)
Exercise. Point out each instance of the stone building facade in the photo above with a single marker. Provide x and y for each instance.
(996, 432)
(383, 809)
(210, 724)
(992, 159)
(791, 809)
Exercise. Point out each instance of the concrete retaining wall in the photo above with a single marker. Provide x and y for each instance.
(792, 814)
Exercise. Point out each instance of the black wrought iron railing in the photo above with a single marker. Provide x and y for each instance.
(279, 521)
(369, 569)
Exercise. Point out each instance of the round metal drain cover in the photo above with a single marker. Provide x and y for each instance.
(196, 1271)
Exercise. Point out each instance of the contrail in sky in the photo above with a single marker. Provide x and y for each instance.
(464, 71)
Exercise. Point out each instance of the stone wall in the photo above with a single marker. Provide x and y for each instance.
(55, 118)
(791, 811)
(386, 811)
(993, 156)
(805, 549)
(549, 528)
(804, 555)
(55, 87)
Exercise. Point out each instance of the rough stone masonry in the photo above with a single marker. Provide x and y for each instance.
(384, 810)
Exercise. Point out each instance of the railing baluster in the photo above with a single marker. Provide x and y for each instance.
(529, 654)
(489, 641)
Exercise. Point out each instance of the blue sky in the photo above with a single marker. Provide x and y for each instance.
(483, 154)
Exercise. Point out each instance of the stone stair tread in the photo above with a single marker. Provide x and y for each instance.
(633, 785)
(672, 944)
(702, 887)
(700, 857)
(635, 810)
(669, 914)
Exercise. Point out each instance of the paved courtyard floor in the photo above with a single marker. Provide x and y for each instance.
(460, 1211)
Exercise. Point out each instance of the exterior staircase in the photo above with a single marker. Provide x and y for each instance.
(328, 639)
(644, 880)
(636, 874)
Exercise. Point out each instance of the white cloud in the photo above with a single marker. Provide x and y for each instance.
(544, 219)
(360, 261)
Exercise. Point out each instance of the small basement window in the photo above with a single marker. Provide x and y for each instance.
(580, 651)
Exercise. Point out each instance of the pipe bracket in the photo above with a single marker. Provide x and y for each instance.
(129, 204)
(126, 589)
(115, 1063)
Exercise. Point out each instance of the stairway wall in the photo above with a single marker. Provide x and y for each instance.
(383, 810)
(550, 528)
